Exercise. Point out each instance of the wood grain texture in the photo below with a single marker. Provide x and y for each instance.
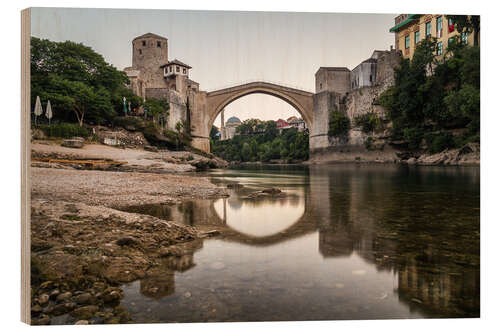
(25, 165)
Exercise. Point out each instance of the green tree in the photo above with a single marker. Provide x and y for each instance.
(434, 95)
(213, 133)
(468, 24)
(78, 81)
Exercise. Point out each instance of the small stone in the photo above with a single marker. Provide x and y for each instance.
(272, 190)
(210, 233)
(411, 161)
(63, 308)
(82, 322)
(47, 285)
(126, 241)
(43, 299)
(64, 296)
(111, 294)
(71, 143)
(42, 320)
(85, 312)
(36, 309)
(84, 298)
(54, 294)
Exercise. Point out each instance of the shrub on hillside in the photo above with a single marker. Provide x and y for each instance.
(64, 130)
(338, 124)
(368, 122)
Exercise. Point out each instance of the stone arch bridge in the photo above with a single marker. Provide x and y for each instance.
(205, 106)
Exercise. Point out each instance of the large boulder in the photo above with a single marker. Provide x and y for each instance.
(72, 143)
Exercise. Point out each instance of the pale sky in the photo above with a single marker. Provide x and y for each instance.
(228, 48)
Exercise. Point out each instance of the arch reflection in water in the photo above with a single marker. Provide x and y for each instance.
(266, 217)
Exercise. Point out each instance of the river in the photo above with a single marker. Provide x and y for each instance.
(343, 242)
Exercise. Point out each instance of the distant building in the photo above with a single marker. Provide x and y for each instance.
(409, 29)
(298, 123)
(229, 130)
(280, 123)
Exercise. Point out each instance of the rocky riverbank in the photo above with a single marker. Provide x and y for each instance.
(467, 155)
(50, 154)
(83, 247)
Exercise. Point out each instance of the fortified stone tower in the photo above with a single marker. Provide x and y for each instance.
(149, 52)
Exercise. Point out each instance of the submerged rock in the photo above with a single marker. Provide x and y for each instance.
(272, 190)
(85, 312)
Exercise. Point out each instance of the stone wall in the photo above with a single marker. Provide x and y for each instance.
(323, 103)
(158, 93)
(337, 79)
(178, 109)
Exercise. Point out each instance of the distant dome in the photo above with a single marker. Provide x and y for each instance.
(233, 120)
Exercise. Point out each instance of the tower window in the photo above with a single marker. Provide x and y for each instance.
(143, 43)
(140, 51)
(177, 69)
(183, 71)
(158, 44)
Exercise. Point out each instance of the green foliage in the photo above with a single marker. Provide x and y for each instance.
(368, 122)
(338, 124)
(79, 83)
(413, 135)
(262, 142)
(156, 108)
(438, 142)
(435, 94)
(467, 23)
(213, 133)
(130, 123)
(369, 143)
(63, 130)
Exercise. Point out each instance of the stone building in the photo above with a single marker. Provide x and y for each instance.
(409, 29)
(298, 123)
(152, 75)
(333, 79)
(229, 129)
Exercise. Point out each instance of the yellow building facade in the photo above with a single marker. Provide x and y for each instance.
(409, 29)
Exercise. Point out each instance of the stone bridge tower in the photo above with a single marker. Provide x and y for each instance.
(149, 52)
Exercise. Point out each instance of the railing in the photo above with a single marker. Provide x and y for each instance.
(286, 85)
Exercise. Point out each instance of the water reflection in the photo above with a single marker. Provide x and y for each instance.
(349, 242)
(257, 218)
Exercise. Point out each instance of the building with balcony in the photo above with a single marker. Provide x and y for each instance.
(409, 29)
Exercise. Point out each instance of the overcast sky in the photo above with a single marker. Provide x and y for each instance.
(227, 48)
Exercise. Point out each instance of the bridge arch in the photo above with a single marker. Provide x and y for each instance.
(215, 101)
(261, 90)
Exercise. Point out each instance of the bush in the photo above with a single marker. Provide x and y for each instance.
(63, 130)
(369, 143)
(129, 123)
(413, 136)
(438, 142)
(368, 122)
(338, 124)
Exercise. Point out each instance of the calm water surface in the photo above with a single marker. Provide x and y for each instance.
(345, 242)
